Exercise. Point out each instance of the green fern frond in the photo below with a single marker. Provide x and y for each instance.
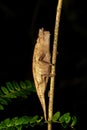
(15, 90)
(65, 119)
(18, 123)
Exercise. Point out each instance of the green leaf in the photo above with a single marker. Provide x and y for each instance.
(28, 84)
(10, 87)
(16, 86)
(1, 107)
(34, 119)
(3, 101)
(2, 125)
(7, 121)
(23, 120)
(13, 121)
(19, 127)
(65, 118)
(39, 120)
(56, 116)
(11, 95)
(19, 122)
(4, 90)
(74, 121)
(23, 85)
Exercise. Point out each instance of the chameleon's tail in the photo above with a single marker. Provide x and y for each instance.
(43, 104)
(40, 89)
(42, 101)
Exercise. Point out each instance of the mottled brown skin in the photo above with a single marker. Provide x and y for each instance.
(41, 65)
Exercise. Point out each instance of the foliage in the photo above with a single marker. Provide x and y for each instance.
(25, 121)
(18, 123)
(65, 120)
(15, 90)
(23, 89)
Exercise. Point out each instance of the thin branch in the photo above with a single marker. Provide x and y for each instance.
(55, 45)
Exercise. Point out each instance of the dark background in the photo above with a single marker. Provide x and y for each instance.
(19, 25)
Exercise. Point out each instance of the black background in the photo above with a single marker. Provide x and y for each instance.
(19, 25)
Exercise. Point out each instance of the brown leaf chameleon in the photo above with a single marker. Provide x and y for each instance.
(42, 65)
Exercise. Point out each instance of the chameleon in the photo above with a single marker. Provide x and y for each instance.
(42, 65)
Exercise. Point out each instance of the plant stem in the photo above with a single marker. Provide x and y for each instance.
(54, 55)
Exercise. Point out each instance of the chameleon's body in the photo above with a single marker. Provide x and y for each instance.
(41, 65)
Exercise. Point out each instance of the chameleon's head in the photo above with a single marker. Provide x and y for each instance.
(44, 35)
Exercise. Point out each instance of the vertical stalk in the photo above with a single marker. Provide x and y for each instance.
(54, 55)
